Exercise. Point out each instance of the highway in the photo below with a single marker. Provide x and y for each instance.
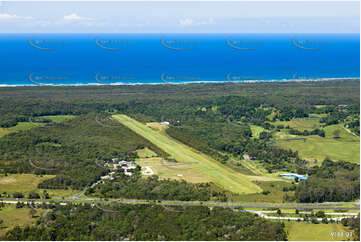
(299, 206)
(263, 215)
(246, 206)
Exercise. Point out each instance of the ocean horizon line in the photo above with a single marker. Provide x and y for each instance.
(176, 33)
(183, 83)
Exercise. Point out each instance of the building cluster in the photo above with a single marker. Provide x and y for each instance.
(116, 165)
(248, 157)
(127, 166)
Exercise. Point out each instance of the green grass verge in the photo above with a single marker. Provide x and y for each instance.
(316, 232)
(220, 174)
(275, 196)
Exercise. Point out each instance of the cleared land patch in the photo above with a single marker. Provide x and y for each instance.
(26, 183)
(346, 148)
(58, 118)
(300, 123)
(13, 216)
(209, 168)
(19, 127)
(146, 153)
(317, 232)
(256, 130)
(173, 170)
(275, 195)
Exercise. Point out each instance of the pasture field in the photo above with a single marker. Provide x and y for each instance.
(346, 148)
(26, 183)
(256, 130)
(21, 126)
(13, 216)
(317, 232)
(300, 123)
(320, 106)
(58, 118)
(202, 165)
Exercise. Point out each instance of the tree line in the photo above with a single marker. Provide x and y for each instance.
(146, 222)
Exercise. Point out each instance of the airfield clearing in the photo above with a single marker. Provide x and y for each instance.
(202, 165)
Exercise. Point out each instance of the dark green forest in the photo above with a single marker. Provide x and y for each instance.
(153, 188)
(213, 118)
(332, 181)
(141, 222)
(70, 150)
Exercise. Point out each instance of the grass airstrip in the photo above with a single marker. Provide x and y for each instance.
(200, 166)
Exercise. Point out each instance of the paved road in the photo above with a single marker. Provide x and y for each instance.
(262, 215)
(299, 206)
(339, 214)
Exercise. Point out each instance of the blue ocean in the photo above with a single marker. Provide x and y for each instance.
(88, 59)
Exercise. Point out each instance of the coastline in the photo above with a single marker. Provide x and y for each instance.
(181, 83)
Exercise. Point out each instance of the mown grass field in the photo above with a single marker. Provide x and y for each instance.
(26, 183)
(13, 216)
(316, 232)
(172, 170)
(202, 165)
(146, 153)
(346, 148)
